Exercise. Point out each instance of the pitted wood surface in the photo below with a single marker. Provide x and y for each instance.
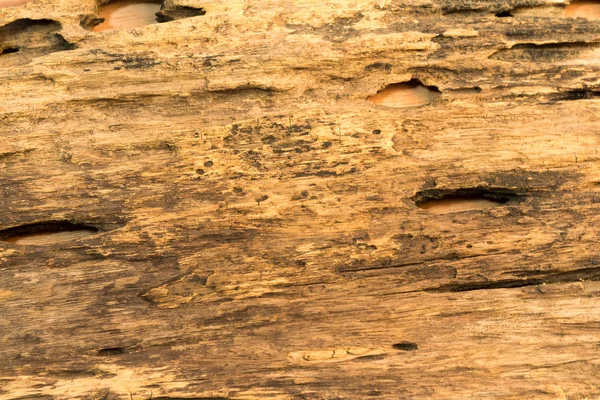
(263, 226)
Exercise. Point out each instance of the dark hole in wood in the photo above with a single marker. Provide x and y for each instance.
(124, 14)
(406, 94)
(45, 233)
(448, 201)
(9, 50)
(575, 95)
(30, 38)
(111, 351)
(406, 346)
(504, 14)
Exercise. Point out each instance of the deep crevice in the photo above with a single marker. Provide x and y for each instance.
(406, 94)
(124, 14)
(28, 38)
(591, 274)
(46, 233)
(455, 200)
(504, 14)
(573, 95)
(406, 346)
(462, 9)
(111, 351)
(547, 53)
(9, 50)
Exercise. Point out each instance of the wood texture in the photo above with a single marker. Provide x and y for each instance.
(263, 230)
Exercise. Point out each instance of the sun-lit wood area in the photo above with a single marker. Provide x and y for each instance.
(583, 9)
(13, 3)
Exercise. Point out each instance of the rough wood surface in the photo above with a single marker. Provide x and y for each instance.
(267, 231)
(127, 14)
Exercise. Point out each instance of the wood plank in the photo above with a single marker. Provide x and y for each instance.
(264, 230)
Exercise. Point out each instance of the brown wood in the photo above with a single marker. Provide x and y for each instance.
(266, 230)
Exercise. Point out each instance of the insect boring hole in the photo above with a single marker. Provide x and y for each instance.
(451, 201)
(406, 94)
(9, 50)
(123, 14)
(111, 351)
(46, 233)
(405, 346)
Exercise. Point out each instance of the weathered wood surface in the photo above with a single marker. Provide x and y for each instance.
(259, 234)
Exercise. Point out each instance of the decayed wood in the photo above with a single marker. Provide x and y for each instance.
(266, 230)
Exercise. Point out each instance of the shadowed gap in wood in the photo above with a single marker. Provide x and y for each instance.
(46, 233)
(127, 14)
(406, 94)
(458, 204)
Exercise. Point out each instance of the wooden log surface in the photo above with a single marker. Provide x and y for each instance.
(300, 200)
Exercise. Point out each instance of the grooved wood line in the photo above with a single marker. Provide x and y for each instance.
(234, 215)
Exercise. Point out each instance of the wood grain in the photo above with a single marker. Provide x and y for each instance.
(260, 230)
